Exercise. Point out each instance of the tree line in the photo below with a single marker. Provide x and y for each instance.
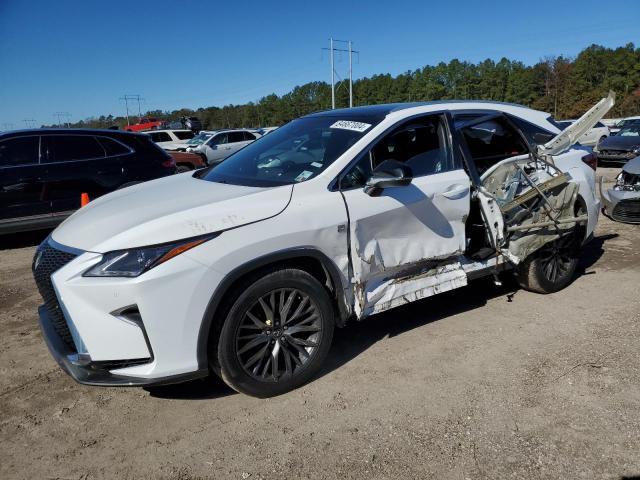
(565, 87)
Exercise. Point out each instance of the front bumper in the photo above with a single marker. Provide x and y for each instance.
(621, 205)
(83, 370)
(123, 331)
(618, 157)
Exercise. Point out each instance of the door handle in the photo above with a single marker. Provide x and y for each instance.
(455, 191)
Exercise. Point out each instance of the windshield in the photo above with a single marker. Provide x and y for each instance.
(633, 131)
(628, 122)
(293, 153)
(200, 138)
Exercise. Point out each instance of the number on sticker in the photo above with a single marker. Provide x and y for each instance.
(350, 125)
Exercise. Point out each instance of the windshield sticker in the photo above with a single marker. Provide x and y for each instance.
(349, 125)
(316, 164)
(303, 176)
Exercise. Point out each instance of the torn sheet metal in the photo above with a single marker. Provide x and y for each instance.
(405, 229)
(398, 290)
(573, 132)
(531, 193)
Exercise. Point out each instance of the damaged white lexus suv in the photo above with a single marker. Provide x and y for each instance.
(245, 268)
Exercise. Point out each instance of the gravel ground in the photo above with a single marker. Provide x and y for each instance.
(482, 382)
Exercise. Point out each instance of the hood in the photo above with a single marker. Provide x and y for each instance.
(632, 166)
(173, 145)
(619, 143)
(165, 210)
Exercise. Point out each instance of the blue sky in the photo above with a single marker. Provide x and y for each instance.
(81, 56)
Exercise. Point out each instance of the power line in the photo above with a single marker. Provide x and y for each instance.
(132, 97)
(350, 51)
(60, 116)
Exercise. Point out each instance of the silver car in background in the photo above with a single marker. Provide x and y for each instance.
(622, 201)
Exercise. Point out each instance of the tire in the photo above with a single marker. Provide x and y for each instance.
(552, 267)
(276, 334)
(182, 169)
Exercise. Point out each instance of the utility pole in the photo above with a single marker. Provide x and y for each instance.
(126, 99)
(333, 82)
(61, 115)
(350, 76)
(350, 51)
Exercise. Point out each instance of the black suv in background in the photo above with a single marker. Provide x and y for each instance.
(44, 172)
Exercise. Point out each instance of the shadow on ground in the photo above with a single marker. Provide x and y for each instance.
(201, 389)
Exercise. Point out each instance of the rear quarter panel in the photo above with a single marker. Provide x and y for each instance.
(585, 177)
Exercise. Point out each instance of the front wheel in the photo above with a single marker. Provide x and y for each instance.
(276, 334)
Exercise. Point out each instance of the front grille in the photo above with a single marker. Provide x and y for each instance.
(46, 261)
(622, 154)
(627, 211)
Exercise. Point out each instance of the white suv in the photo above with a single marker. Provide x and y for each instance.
(245, 268)
(216, 145)
(170, 139)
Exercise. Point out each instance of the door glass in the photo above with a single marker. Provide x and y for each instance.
(491, 142)
(248, 136)
(19, 151)
(420, 143)
(112, 148)
(161, 137)
(62, 148)
(236, 137)
(219, 139)
(184, 135)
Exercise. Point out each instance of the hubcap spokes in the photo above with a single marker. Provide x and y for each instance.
(278, 334)
(556, 257)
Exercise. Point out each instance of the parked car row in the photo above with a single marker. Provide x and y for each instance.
(146, 124)
(44, 172)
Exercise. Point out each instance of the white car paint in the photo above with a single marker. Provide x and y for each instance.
(224, 143)
(169, 139)
(585, 130)
(592, 137)
(383, 234)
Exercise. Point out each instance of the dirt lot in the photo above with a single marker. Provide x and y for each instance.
(482, 382)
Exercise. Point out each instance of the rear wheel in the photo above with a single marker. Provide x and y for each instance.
(552, 267)
(276, 334)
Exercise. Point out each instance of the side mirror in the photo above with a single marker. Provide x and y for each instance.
(389, 173)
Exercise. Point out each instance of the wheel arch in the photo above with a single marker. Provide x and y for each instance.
(309, 259)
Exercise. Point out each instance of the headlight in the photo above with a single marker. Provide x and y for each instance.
(134, 262)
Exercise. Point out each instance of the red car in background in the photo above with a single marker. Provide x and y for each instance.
(144, 124)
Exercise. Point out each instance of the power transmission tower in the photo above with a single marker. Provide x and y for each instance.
(350, 51)
(60, 116)
(7, 126)
(29, 122)
(128, 98)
